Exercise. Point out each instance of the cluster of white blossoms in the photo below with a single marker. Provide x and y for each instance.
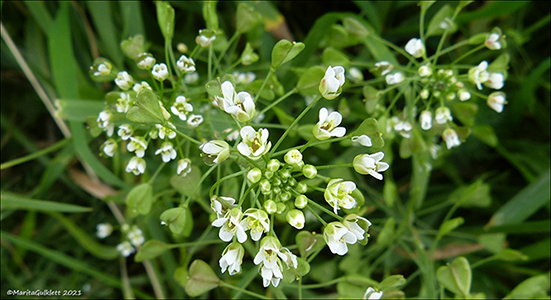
(133, 237)
(135, 139)
(438, 86)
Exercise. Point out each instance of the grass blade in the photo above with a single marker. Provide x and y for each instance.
(14, 201)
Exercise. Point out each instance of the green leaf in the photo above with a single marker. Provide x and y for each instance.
(14, 201)
(523, 204)
(370, 127)
(426, 4)
(532, 288)
(494, 242)
(165, 18)
(420, 176)
(391, 282)
(303, 267)
(246, 18)
(500, 65)
(147, 109)
(387, 233)
(465, 112)
(78, 109)
(95, 248)
(132, 16)
(456, 276)
(285, 51)
(334, 57)
(140, 198)
(443, 16)
(486, 134)
(107, 32)
(414, 145)
(201, 279)
(510, 255)
(308, 243)
(186, 185)
(538, 251)
(476, 194)
(40, 14)
(179, 220)
(284, 118)
(449, 226)
(390, 192)
(308, 83)
(209, 14)
(151, 249)
(254, 87)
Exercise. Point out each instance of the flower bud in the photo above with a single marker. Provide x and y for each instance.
(425, 71)
(270, 206)
(268, 174)
(276, 181)
(280, 207)
(309, 171)
(293, 157)
(331, 85)
(301, 201)
(285, 174)
(146, 61)
(254, 175)
(265, 186)
(285, 196)
(301, 187)
(295, 218)
(273, 165)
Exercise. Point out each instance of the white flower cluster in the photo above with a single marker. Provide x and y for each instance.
(134, 239)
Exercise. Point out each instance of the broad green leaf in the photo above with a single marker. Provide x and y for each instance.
(201, 279)
(486, 134)
(40, 14)
(78, 109)
(426, 4)
(456, 276)
(414, 145)
(334, 57)
(140, 198)
(246, 18)
(500, 65)
(308, 83)
(538, 251)
(88, 243)
(391, 282)
(284, 118)
(133, 46)
(14, 201)
(523, 204)
(210, 15)
(532, 288)
(308, 243)
(449, 226)
(465, 112)
(441, 22)
(179, 220)
(147, 109)
(495, 242)
(186, 185)
(524, 227)
(165, 18)
(254, 87)
(510, 255)
(132, 16)
(151, 249)
(107, 32)
(285, 51)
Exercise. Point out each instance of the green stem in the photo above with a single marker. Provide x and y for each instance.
(295, 122)
(34, 155)
(294, 90)
(199, 184)
(348, 165)
(232, 39)
(323, 284)
(186, 136)
(325, 210)
(156, 173)
(467, 54)
(396, 48)
(263, 85)
(224, 284)
(317, 216)
(196, 243)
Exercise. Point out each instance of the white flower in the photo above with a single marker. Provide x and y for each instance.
(425, 118)
(136, 237)
(478, 75)
(463, 94)
(103, 70)
(357, 225)
(167, 152)
(195, 120)
(146, 61)
(370, 164)
(394, 78)
(124, 80)
(295, 218)
(371, 294)
(492, 41)
(231, 224)
(402, 126)
(160, 72)
(125, 249)
(138, 87)
(185, 64)
(244, 78)
(331, 84)
(232, 258)
(424, 71)
(221, 205)
(338, 194)
(337, 236)
(181, 107)
(125, 131)
(434, 151)
(495, 81)
(165, 132)
(123, 103)
(451, 138)
(239, 105)
(104, 230)
(257, 222)
(363, 140)
(355, 74)
(496, 101)
(415, 47)
(136, 165)
(184, 167)
(385, 66)
(104, 121)
(254, 144)
(203, 40)
(327, 125)
(137, 144)
(269, 259)
(293, 157)
(109, 147)
(424, 93)
(191, 78)
(218, 149)
(443, 115)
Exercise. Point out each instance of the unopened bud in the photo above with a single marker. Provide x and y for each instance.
(265, 186)
(301, 187)
(270, 206)
(301, 201)
(285, 196)
(293, 157)
(280, 207)
(295, 218)
(273, 165)
(309, 171)
(254, 175)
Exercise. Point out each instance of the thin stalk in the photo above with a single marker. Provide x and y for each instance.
(317, 215)
(224, 284)
(325, 210)
(156, 173)
(34, 155)
(263, 85)
(217, 183)
(199, 184)
(157, 289)
(267, 108)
